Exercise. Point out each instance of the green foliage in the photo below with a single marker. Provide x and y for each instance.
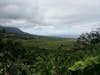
(50, 56)
(87, 65)
(10, 53)
(88, 40)
(89, 44)
(88, 62)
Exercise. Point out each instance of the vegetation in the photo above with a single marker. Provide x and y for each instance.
(49, 56)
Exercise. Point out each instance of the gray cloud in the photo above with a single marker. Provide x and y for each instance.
(15, 9)
(23, 12)
(58, 16)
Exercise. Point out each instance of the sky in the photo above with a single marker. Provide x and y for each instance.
(51, 17)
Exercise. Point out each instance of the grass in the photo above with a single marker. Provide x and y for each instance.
(49, 43)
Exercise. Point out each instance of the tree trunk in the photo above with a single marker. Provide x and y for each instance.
(5, 71)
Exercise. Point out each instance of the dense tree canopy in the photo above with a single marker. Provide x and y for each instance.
(20, 57)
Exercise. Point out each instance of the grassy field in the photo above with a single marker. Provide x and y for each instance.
(49, 43)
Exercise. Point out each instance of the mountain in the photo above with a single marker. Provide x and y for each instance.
(17, 31)
(67, 36)
(14, 30)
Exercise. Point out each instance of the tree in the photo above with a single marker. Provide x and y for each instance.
(11, 57)
(88, 39)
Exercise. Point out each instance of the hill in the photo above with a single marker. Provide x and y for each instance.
(14, 30)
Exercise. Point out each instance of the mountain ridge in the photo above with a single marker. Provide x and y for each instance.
(17, 31)
(14, 30)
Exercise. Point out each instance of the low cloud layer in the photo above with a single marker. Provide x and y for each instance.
(49, 17)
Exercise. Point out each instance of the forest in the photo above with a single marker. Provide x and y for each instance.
(49, 56)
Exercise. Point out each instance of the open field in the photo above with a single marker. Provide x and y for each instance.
(49, 43)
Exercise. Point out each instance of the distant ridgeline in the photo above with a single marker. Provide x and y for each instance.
(15, 31)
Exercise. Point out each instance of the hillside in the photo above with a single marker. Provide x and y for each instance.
(14, 30)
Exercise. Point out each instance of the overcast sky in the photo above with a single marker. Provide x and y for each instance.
(51, 17)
